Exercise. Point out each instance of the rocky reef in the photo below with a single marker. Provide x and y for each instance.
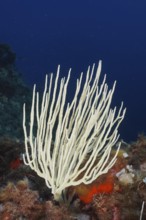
(13, 93)
(118, 195)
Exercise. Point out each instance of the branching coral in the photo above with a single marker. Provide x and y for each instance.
(69, 134)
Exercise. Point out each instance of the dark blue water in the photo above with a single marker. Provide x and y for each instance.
(78, 33)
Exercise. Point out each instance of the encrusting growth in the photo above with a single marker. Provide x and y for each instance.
(70, 143)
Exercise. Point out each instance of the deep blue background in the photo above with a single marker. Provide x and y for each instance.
(77, 33)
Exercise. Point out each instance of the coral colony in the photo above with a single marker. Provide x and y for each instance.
(71, 146)
(70, 143)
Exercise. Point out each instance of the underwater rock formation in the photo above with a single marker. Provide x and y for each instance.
(7, 56)
(13, 93)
